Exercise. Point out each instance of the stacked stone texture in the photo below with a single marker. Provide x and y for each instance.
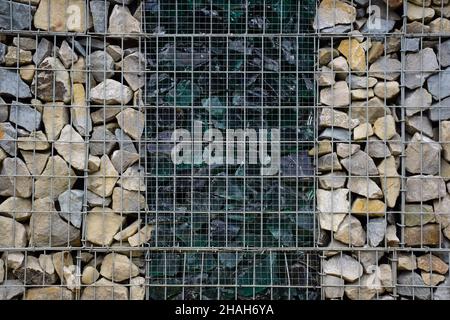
(71, 122)
(382, 151)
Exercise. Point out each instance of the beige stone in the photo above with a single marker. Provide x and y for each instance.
(27, 72)
(49, 293)
(351, 232)
(103, 181)
(118, 267)
(384, 127)
(56, 178)
(56, 15)
(90, 275)
(431, 263)
(354, 53)
(142, 236)
(366, 207)
(72, 147)
(55, 116)
(101, 225)
(104, 289)
(363, 131)
(17, 208)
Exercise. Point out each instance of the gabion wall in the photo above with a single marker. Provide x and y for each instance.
(92, 205)
(382, 199)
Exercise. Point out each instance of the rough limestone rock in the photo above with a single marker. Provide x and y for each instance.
(137, 288)
(79, 112)
(90, 275)
(386, 68)
(431, 263)
(411, 285)
(118, 267)
(102, 141)
(332, 207)
(390, 180)
(351, 232)
(332, 180)
(12, 233)
(355, 54)
(71, 147)
(56, 178)
(111, 92)
(122, 22)
(16, 179)
(333, 287)
(142, 236)
(103, 181)
(133, 70)
(332, 118)
(424, 188)
(49, 293)
(366, 207)
(101, 225)
(427, 235)
(336, 96)
(384, 127)
(332, 13)
(48, 229)
(439, 84)
(376, 230)
(419, 66)
(55, 15)
(421, 214)
(31, 273)
(132, 122)
(422, 155)
(127, 201)
(133, 179)
(104, 289)
(343, 266)
(71, 205)
(102, 65)
(365, 187)
(52, 81)
(360, 164)
(17, 208)
(55, 117)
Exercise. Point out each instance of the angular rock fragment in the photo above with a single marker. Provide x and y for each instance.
(52, 81)
(101, 225)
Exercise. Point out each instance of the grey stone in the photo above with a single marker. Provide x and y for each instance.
(356, 82)
(111, 92)
(376, 148)
(115, 52)
(71, 206)
(9, 137)
(122, 22)
(439, 84)
(344, 150)
(102, 141)
(99, 11)
(95, 200)
(3, 50)
(11, 289)
(133, 70)
(412, 44)
(25, 116)
(424, 188)
(336, 134)
(15, 16)
(121, 160)
(102, 65)
(360, 164)
(376, 229)
(411, 285)
(329, 162)
(419, 66)
(444, 53)
(365, 187)
(125, 142)
(442, 292)
(67, 55)
(52, 81)
(343, 266)
(11, 84)
(440, 110)
(31, 272)
(386, 68)
(333, 287)
(422, 155)
(43, 50)
(133, 179)
(48, 229)
(332, 180)
(419, 124)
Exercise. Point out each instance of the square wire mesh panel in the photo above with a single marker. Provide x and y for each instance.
(243, 85)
